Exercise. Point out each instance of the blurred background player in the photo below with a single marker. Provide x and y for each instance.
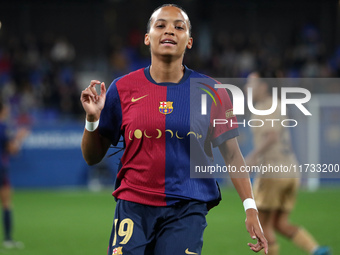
(9, 145)
(275, 193)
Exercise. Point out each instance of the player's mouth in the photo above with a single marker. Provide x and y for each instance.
(168, 42)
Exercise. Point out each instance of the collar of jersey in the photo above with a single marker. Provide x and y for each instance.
(186, 75)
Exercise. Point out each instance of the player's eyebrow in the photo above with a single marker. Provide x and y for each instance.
(177, 20)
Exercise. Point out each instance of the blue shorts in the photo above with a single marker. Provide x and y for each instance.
(149, 230)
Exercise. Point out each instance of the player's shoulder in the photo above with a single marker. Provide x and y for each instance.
(196, 74)
(205, 78)
(207, 82)
(125, 81)
(132, 76)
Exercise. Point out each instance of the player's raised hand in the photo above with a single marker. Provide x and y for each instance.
(255, 230)
(92, 102)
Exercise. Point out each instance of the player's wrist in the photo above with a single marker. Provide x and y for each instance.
(91, 125)
(248, 204)
(92, 117)
(252, 214)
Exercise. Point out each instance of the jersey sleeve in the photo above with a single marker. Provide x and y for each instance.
(111, 115)
(226, 127)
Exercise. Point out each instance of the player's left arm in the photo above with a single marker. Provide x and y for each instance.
(232, 155)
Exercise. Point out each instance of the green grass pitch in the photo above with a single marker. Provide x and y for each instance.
(79, 222)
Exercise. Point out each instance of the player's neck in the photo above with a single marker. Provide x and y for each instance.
(162, 71)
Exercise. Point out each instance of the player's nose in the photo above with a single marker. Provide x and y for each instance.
(170, 30)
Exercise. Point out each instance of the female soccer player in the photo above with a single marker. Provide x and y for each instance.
(276, 193)
(160, 209)
(8, 146)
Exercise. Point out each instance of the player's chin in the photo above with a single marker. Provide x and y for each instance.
(168, 50)
(170, 54)
(178, 50)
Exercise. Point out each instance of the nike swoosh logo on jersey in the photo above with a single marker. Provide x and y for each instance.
(136, 99)
(189, 252)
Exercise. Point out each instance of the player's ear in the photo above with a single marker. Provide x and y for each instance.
(190, 42)
(146, 39)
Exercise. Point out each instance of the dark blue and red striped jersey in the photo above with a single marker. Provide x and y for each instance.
(164, 132)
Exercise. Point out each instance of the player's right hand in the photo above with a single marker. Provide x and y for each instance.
(93, 103)
(255, 230)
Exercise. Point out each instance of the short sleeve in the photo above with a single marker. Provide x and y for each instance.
(223, 123)
(111, 115)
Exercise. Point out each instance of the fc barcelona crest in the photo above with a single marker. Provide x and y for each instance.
(117, 251)
(165, 107)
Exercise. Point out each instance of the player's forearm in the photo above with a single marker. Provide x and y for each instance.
(243, 187)
(242, 183)
(232, 156)
(93, 147)
(240, 180)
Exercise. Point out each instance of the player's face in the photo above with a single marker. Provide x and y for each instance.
(169, 32)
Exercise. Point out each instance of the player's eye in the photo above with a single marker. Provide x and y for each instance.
(179, 28)
(160, 26)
